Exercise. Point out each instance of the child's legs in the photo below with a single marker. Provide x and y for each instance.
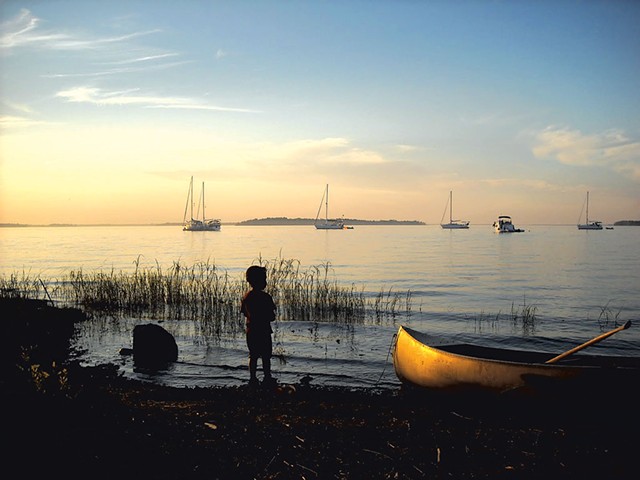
(260, 346)
(253, 367)
(266, 356)
(266, 365)
(253, 356)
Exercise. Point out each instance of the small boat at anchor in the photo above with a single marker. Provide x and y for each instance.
(196, 224)
(478, 368)
(453, 224)
(504, 224)
(327, 223)
(589, 224)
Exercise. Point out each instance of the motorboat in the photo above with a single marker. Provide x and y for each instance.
(504, 224)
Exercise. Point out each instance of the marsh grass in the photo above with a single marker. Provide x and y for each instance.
(314, 294)
(21, 285)
(608, 317)
(523, 317)
(212, 296)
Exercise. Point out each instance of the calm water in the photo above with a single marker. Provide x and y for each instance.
(464, 286)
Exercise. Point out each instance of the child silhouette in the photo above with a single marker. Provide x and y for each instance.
(259, 310)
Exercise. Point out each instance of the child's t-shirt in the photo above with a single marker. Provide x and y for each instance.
(260, 310)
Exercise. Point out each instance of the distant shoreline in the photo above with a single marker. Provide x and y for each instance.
(270, 221)
(275, 221)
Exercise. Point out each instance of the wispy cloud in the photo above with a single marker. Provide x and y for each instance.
(403, 148)
(144, 59)
(491, 118)
(8, 121)
(195, 106)
(356, 156)
(18, 107)
(23, 31)
(97, 96)
(332, 150)
(612, 149)
(512, 182)
(114, 71)
(18, 30)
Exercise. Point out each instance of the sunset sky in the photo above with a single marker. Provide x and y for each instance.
(107, 108)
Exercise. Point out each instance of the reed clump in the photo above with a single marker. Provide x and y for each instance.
(212, 296)
(523, 317)
(21, 285)
(312, 293)
(200, 291)
(608, 317)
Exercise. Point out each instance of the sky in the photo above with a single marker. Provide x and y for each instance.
(107, 109)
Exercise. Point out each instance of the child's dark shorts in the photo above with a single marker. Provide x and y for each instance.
(259, 345)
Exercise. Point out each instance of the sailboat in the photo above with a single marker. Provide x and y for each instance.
(195, 224)
(589, 225)
(327, 224)
(453, 224)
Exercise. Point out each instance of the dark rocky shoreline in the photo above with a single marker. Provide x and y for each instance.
(64, 419)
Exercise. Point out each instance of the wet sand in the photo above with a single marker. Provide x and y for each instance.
(63, 419)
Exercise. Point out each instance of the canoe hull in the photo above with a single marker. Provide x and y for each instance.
(421, 365)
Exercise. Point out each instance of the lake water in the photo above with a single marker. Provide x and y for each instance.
(464, 286)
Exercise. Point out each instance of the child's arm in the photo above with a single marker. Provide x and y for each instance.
(274, 310)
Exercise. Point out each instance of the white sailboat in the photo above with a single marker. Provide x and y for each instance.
(327, 224)
(589, 225)
(453, 224)
(194, 224)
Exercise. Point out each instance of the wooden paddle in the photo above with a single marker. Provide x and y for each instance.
(590, 342)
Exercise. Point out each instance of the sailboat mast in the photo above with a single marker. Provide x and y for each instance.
(587, 208)
(202, 202)
(326, 204)
(450, 206)
(191, 188)
(186, 206)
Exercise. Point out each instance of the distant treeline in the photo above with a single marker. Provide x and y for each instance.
(311, 221)
(635, 223)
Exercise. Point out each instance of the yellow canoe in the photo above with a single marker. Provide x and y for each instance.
(463, 366)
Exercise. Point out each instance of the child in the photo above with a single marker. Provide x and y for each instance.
(259, 310)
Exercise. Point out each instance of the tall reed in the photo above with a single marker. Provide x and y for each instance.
(204, 292)
(523, 317)
(21, 285)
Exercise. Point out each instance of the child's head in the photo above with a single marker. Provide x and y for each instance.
(257, 276)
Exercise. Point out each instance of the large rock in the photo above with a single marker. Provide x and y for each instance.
(153, 346)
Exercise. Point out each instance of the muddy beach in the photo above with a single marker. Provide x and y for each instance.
(66, 420)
